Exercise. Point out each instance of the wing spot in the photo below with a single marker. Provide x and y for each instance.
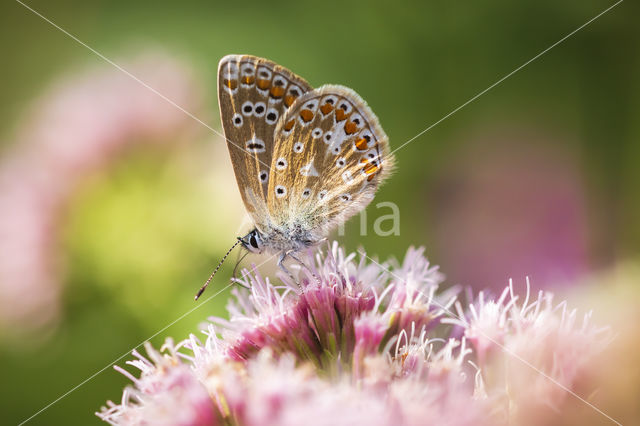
(272, 116)
(298, 147)
(288, 126)
(281, 163)
(237, 120)
(255, 145)
(341, 162)
(230, 84)
(281, 191)
(326, 108)
(306, 115)
(264, 176)
(247, 108)
(327, 137)
(316, 133)
(276, 92)
(345, 197)
(322, 194)
(350, 127)
(306, 193)
(259, 109)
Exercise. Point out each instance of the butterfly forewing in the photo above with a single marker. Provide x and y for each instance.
(253, 94)
(330, 156)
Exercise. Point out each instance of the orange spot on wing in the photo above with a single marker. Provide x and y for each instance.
(277, 92)
(307, 115)
(370, 168)
(340, 114)
(289, 125)
(350, 128)
(361, 144)
(263, 84)
(231, 84)
(326, 108)
(249, 79)
(288, 100)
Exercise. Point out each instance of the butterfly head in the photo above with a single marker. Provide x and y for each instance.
(252, 241)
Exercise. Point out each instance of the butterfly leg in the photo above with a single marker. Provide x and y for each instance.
(304, 265)
(283, 256)
(234, 278)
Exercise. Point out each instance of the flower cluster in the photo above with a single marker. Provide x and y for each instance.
(363, 343)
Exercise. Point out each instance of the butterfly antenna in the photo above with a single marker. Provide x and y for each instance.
(204, 287)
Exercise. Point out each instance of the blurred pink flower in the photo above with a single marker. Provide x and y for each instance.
(521, 345)
(336, 354)
(79, 127)
(511, 205)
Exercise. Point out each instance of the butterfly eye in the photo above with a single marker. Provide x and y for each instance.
(237, 120)
(281, 164)
(281, 191)
(298, 147)
(259, 109)
(253, 241)
(272, 116)
(247, 108)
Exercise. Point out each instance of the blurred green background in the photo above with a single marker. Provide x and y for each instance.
(537, 177)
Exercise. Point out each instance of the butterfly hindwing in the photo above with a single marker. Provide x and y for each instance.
(253, 94)
(329, 158)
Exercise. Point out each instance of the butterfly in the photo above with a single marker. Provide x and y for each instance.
(305, 159)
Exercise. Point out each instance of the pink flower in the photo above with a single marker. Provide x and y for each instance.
(82, 125)
(338, 354)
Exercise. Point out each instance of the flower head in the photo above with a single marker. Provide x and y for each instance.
(363, 343)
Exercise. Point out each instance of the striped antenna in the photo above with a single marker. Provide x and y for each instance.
(204, 287)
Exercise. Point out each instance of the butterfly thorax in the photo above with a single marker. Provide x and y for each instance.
(286, 238)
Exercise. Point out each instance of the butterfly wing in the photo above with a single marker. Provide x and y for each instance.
(330, 157)
(253, 94)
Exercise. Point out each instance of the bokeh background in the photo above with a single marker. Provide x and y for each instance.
(115, 205)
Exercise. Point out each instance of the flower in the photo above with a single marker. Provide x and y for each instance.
(363, 343)
(79, 127)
